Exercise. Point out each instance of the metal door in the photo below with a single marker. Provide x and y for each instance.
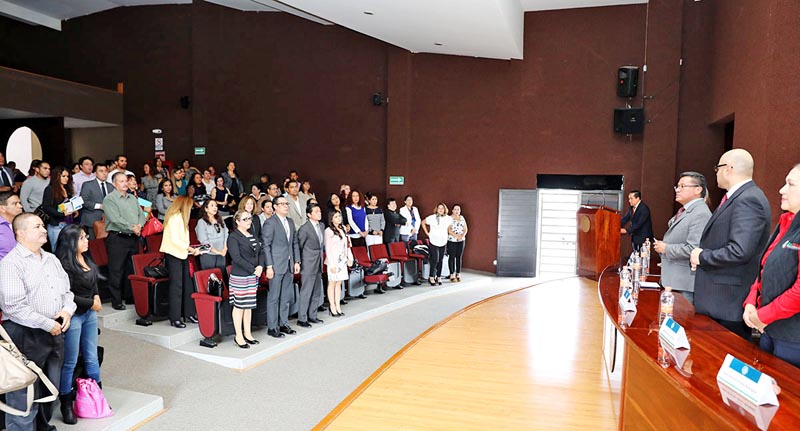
(516, 233)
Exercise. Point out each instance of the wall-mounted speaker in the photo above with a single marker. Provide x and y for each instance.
(629, 121)
(627, 81)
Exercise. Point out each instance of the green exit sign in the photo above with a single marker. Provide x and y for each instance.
(397, 180)
(199, 151)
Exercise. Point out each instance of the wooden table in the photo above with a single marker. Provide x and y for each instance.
(664, 399)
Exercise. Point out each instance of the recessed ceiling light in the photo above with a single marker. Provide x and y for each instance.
(366, 12)
(437, 43)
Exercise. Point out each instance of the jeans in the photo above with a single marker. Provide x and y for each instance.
(787, 350)
(52, 235)
(455, 249)
(81, 335)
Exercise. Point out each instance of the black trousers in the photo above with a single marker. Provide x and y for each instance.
(47, 352)
(180, 288)
(120, 266)
(455, 249)
(436, 257)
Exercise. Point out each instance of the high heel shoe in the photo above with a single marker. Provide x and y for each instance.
(242, 346)
(432, 282)
(341, 313)
(439, 281)
(331, 313)
(452, 278)
(458, 278)
(249, 341)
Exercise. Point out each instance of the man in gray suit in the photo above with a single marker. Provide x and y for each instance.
(297, 203)
(310, 236)
(93, 192)
(683, 234)
(729, 254)
(283, 261)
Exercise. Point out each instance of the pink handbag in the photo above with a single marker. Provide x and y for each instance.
(90, 402)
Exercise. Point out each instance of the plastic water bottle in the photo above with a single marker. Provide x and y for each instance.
(637, 271)
(666, 306)
(624, 280)
(645, 253)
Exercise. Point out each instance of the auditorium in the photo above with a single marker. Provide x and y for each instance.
(184, 185)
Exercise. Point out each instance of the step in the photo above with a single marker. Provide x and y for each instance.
(130, 409)
(108, 317)
(159, 333)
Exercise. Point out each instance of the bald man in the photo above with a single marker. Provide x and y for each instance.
(727, 259)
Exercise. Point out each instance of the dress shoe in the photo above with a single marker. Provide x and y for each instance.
(418, 283)
(380, 291)
(315, 320)
(286, 329)
(192, 319)
(322, 309)
(362, 296)
(275, 333)
(303, 324)
(119, 306)
(399, 287)
(343, 302)
(177, 324)
(241, 346)
(249, 341)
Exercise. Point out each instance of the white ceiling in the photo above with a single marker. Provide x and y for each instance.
(477, 28)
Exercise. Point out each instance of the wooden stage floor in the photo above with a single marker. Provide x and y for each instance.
(529, 359)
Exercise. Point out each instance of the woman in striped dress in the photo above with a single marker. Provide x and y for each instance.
(248, 261)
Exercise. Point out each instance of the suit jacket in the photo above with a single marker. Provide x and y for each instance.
(91, 194)
(298, 217)
(683, 236)
(732, 243)
(641, 226)
(394, 221)
(10, 175)
(244, 257)
(280, 253)
(310, 248)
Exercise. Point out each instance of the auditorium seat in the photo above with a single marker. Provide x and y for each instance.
(99, 253)
(208, 306)
(154, 242)
(411, 262)
(192, 233)
(361, 256)
(148, 292)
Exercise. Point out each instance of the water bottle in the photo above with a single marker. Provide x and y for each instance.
(624, 280)
(645, 252)
(637, 271)
(666, 305)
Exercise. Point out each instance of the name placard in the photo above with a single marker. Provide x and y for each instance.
(674, 341)
(748, 390)
(626, 302)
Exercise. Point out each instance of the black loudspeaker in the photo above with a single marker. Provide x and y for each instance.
(627, 81)
(186, 101)
(629, 121)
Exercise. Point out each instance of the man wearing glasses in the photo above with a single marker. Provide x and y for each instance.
(683, 234)
(727, 259)
(282, 250)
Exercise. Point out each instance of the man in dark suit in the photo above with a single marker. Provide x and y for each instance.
(727, 259)
(93, 192)
(7, 183)
(283, 261)
(639, 217)
(310, 237)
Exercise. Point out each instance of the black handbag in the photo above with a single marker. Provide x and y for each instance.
(156, 269)
(214, 287)
(42, 214)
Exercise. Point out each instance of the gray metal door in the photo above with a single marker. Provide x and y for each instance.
(516, 233)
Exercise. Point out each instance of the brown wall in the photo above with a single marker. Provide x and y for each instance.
(276, 92)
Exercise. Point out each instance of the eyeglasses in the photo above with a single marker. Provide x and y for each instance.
(282, 203)
(680, 187)
(716, 168)
(245, 219)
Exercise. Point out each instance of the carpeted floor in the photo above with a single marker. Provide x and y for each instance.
(293, 391)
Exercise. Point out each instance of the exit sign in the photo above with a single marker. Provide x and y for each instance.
(199, 151)
(397, 180)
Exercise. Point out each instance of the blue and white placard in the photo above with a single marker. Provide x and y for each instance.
(673, 339)
(626, 302)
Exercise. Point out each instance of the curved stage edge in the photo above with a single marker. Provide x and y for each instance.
(522, 381)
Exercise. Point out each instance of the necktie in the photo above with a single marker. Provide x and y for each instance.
(680, 211)
(319, 233)
(286, 228)
(103, 188)
(6, 179)
(724, 199)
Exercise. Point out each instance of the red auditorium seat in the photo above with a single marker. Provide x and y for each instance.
(411, 262)
(154, 242)
(362, 257)
(208, 306)
(147, 291)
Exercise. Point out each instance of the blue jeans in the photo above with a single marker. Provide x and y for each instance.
(787, 350)
(82, 334)
(52, 235)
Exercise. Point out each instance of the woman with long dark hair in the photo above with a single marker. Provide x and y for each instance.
(161, 171)
(56, 193)
(82, 333)
(211, 230)
(337, 258)
(232, 181)
(376, 224)
(179, 182)
(358, 219)
(456, 234)
(149, 183)
(176, 249)
(164, 198)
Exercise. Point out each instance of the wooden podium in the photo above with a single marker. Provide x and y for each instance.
(598, 239)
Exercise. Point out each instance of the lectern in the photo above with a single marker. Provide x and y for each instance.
(598, 239)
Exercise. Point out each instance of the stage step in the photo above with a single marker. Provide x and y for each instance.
(130, 409)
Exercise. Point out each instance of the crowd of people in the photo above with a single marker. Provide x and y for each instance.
(50, 300)
(725, 262)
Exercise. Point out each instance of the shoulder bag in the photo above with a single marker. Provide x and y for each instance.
(17, 372)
